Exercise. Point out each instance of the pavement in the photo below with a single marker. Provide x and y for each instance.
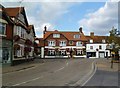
(23, 66)
(105, 75)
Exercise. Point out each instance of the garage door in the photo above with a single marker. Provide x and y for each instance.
(101, 55)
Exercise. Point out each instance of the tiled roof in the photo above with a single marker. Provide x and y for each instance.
(13, 11)
(97, 39)
(30, 27)
(41, 40)
(69, 35)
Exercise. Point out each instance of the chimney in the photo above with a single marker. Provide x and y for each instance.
(45, 29)
(92, 34)
(80, 29)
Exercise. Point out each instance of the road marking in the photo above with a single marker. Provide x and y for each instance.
(59, 69)
(79, 82)
(67, 64)
(93, 67)
(27, 81)
(21, 70)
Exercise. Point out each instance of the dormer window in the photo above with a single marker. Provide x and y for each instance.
(79, 43)
(56, 35)
(76, 36)
(91, 41)
(103, 41)
(2, 28)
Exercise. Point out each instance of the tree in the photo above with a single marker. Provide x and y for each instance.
(114, 40)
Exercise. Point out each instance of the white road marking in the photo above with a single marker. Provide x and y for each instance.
(27, 81)
(22, 70)
(59, 69)
(67, 64)
(91, 72)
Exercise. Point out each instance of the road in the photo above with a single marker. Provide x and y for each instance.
(54, 72)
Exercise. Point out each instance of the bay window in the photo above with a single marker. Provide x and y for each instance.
(2, 29)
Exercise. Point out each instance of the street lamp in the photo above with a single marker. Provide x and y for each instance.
(113, 53)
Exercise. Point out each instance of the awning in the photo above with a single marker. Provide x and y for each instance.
(3, 21)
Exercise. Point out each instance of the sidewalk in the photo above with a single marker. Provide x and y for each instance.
(105, 75)
(22, 66)
(106, 65)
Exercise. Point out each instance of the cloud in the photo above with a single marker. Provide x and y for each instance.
(102, 20)
(41, 13)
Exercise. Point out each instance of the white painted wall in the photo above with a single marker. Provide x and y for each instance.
(42, 52)
(96, 46)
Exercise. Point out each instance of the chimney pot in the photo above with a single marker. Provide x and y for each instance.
(80, 29)
(92, 34)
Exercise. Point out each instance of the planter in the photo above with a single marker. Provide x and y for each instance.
(16, 47)
(16, 38)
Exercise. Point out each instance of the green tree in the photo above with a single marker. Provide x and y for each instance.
(114, 39)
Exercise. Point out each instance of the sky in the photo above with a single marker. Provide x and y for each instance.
(98, 17)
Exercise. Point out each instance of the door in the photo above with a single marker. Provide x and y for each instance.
(5, 55)
(101, 54)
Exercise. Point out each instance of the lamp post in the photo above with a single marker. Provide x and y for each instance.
(113, 54)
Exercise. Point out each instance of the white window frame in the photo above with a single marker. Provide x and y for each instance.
(79, 43)
(3, 25)
(56, 35)
(103, 41)
(62, 43)
(51, 52)
(79, 52)
(51, 43)
(91, 40)
(76, 36)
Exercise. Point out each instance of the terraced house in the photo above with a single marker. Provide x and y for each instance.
(59, 43)
(22, 34)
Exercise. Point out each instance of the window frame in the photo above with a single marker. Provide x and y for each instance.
(3, 26)
(56, 35)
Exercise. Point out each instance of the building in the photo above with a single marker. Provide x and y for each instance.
(17, 36)
(6, 27)
(61, 43)
(23, 34)
(96, 46)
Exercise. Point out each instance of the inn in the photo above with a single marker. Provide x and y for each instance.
(60, 43)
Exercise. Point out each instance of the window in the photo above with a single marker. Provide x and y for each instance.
(79, 43)
(100, 47)
(56, 35)
(103, 41)
(91, 47)
(62, 52)
(76, 36)
(91, 41)
(71, 42)
(79, 52)
(51, 43)
(51, 52)
(62, 43)
(2, 28)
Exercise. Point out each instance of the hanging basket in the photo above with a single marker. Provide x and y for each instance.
(28, 42)
(16, 47)
(16, 38)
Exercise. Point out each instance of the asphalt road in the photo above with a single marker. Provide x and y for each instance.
(54, 72)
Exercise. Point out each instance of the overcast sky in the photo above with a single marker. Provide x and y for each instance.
(98, 17)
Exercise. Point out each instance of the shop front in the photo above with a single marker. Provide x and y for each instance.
(6, 51)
